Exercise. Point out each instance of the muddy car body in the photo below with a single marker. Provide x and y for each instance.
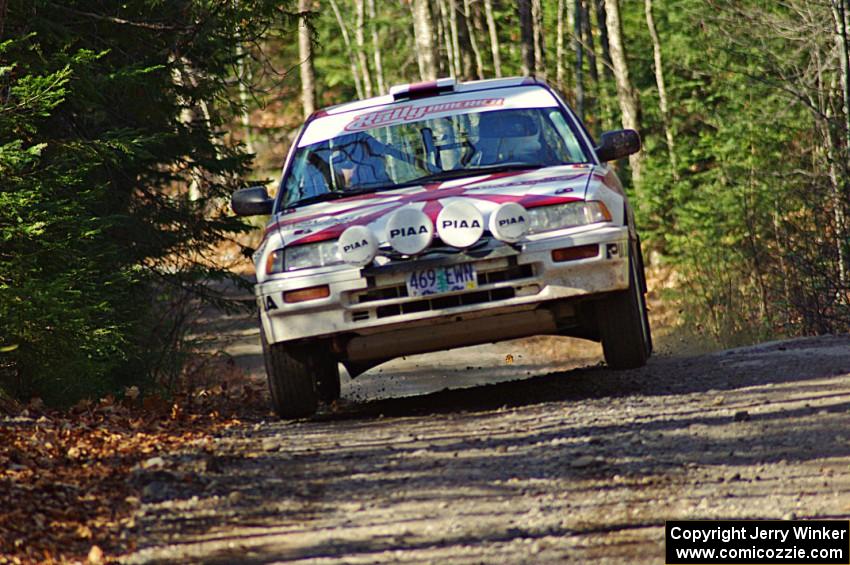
(443, 215)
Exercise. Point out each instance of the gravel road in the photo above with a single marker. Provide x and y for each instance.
(536, 461)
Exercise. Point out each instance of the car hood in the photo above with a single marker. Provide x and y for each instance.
(540, 187)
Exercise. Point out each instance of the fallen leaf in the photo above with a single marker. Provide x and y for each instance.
(95, 555)
(66, 475)
(84, 531)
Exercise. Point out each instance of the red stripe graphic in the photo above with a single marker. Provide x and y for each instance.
(430, 194)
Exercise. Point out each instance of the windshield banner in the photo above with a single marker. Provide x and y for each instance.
(333, 125)
(409, 113)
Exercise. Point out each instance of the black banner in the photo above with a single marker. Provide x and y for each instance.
(814, 542)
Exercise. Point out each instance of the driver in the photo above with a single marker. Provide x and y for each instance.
(358, 160)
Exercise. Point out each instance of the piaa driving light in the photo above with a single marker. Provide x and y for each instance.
(560, 216)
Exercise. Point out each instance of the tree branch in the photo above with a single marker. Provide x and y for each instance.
(111, 19)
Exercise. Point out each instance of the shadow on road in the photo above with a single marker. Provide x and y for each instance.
(585, 442)
(714, 373)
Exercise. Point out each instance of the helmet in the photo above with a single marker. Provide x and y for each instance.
(507, 136)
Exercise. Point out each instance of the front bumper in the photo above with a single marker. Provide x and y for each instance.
(373, 300)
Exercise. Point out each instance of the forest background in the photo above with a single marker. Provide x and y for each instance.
(125, 126)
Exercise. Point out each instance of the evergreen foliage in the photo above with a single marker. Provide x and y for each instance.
(110, 114)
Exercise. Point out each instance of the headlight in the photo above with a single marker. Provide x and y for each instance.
(560, 216)
(303, 257)
(311, 255)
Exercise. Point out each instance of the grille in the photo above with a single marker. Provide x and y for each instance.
(506, 271)
(511, 273)
(477, 297)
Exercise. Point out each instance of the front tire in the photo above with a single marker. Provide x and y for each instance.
(623, 321)
(294, 373)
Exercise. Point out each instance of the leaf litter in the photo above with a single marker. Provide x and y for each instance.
(66, 488)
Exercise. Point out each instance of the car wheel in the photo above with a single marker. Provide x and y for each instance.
(292, 373)
(641, 270)
(623, 321)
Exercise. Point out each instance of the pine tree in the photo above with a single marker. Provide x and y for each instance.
(110, 113)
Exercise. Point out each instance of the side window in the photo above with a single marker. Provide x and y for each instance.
(573, 147)
(307, 178)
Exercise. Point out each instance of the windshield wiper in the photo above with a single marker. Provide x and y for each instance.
(326, 196)
(475, 171)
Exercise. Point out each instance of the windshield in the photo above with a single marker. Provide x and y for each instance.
(432, 149)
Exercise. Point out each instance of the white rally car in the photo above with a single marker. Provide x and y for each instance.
(437, 216)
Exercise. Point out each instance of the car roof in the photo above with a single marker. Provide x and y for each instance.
(431, 89)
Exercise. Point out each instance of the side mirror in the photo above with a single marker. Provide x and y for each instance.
(617, 144)
(254, 201)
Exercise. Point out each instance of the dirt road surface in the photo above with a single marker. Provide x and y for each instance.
(538, 460)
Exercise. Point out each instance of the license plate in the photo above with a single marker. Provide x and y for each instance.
(442, 279)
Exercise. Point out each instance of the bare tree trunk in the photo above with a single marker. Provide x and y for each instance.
(526, 31)
(626, 95)
(446, 35)
(575, 14)
(825, 109)
(753, 237)
(460, 37)
(360, 42)
(840, 9)
(376, 47)
(781, 247)
(602, 24)
(494, 37)
(473, 41)
(559, 45)
(843, 25)
(305, 57)
(479, 24)
(244, 116)
(662, 88)
(836, 182)
(423, 31)
(539, 41)
(346, 40)
(184, 75)
(589, 43)
(606, 67)
(463, 64)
